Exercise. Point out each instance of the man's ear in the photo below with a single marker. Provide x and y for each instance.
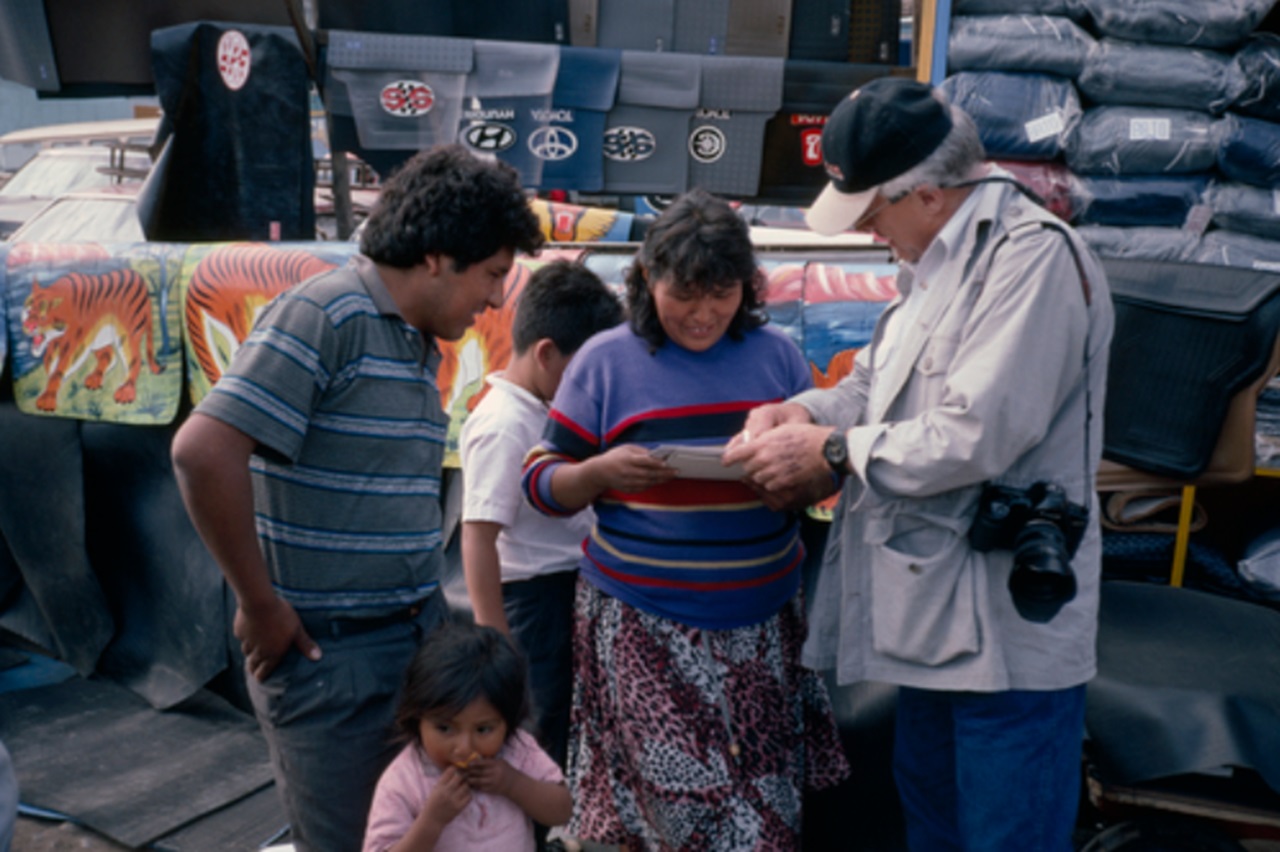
(434, 263)
(931, 196)
(936, 204)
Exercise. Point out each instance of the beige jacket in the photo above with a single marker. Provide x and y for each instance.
(988, 384)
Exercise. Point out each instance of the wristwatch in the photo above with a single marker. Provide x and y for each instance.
(836, 451)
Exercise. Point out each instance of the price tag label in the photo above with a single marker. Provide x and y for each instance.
(1149, 128)
(1045, 126)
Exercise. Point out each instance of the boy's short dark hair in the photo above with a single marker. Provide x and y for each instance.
(457, 663)
(447, 201)
(566, 302)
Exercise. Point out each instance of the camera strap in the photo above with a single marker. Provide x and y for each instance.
(1088, 329)
(1039, 202)
(1084, 286)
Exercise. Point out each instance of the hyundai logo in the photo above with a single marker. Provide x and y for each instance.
(490, 137)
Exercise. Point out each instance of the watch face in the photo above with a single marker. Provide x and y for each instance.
(836, 450)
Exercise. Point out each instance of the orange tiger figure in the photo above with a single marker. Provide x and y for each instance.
(105, 316)
(228, 290)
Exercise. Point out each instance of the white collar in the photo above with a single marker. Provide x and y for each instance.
(499, 379)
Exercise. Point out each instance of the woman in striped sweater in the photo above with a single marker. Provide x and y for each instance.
(694, 725)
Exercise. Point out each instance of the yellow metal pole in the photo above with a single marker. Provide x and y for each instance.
(1183, 536)
(926, 32)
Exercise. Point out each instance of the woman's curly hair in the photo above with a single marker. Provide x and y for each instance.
(446, 201)
(701, 244)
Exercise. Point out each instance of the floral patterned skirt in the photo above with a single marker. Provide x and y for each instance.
(690, 739)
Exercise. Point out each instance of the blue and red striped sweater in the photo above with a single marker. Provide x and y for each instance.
(700, 552)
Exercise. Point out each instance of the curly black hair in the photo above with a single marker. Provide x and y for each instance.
(702, 244)
(447, 201)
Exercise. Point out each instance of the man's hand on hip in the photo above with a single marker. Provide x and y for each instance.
(267, 635)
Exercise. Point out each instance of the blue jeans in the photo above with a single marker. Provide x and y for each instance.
(981, 772)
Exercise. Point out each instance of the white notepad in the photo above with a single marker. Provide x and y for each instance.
(698, 462)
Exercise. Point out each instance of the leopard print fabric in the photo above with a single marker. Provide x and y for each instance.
(688, 739)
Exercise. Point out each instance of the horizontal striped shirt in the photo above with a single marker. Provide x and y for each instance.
(340, 394)
(701, 552)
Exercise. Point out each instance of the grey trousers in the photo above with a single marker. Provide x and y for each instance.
(8, 799)
(540, 613)
(328, 725)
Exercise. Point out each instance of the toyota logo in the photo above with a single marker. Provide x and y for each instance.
(553, 143)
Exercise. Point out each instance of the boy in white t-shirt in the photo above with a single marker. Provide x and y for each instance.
(521, 565)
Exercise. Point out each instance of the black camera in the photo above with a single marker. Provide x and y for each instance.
(1043, 529)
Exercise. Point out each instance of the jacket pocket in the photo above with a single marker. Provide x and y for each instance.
(927, 384)
(923, 589)
(936, 356)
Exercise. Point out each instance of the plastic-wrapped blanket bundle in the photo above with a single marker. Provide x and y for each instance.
(1017, 7)
(1267, 439)
(1019, 116)
(1199, 23)
(1137, 200)
(1245, 208)
(1050, 180)
(1231, 248)
(1260, 565)
(1249, 150)
(1046, 44)
(1117, 72)
(1258, 66)
(1141, 243)
(1120, 140)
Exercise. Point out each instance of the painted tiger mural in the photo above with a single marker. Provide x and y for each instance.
(229, 288)
(106, 317)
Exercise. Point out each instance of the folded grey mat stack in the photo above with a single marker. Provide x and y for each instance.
(103, 757)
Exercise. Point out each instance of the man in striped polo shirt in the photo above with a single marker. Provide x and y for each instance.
(312, 473)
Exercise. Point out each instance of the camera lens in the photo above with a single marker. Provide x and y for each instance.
(1042, 579)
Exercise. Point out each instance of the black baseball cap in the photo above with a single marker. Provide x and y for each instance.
(878, 133)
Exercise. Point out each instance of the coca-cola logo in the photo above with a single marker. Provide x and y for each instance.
(811, 146)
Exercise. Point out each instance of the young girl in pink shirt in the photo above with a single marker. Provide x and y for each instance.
(468, 779)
